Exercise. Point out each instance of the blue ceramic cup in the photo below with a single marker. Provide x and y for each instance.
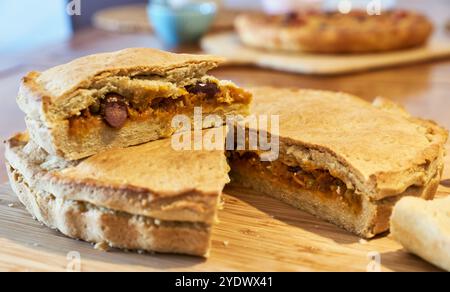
(185, 24)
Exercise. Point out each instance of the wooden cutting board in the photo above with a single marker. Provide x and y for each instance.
(255, 233)
(227, 44)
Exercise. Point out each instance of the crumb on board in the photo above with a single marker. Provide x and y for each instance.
(102, 246)
(221, 205)
(226, 243)
(10, 205)
(363, 241)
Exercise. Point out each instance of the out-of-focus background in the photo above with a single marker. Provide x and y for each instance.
(30, 24)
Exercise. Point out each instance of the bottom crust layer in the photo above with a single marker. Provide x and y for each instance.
(370, 219)
(94, 224)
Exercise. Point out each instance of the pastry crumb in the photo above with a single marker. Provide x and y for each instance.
(102, 246)
(157, 222)
(363, 241)
(10, 205)
(226, 243)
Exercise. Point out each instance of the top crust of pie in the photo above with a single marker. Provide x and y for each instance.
(58, 83)
(380, 147)
(333, 32)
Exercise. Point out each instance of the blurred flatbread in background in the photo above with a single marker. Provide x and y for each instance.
(133, 18)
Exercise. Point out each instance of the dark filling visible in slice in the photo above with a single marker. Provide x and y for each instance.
(210, 90)
(316, 180)
(115, 109)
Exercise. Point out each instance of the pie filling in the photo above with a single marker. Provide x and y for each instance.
(115, 110)
(319, 181)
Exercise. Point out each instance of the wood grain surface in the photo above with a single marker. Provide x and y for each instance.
(255, 233)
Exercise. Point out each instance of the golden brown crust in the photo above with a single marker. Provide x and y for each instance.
(58, 82)
(379, 152)
(152, 179)
(323, 32)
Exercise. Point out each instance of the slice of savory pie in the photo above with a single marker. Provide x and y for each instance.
(121, 99)
(147, 197)
(343, 159)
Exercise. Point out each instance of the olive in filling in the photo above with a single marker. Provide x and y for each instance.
(114, 110)
(209, 89)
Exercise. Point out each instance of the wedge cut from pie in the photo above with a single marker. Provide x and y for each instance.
(121, 99)
(342, 159)
(147, 197)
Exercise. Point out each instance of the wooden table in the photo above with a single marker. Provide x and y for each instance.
(424, 89)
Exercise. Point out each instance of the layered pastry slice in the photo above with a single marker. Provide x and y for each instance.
(343, 159)
(121, 99)
(147, 197)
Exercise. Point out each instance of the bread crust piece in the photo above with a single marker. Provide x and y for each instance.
(323, 32)
(93, 224)
(52, 98)
(151, 180)
(423, 229)
(379, 151)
